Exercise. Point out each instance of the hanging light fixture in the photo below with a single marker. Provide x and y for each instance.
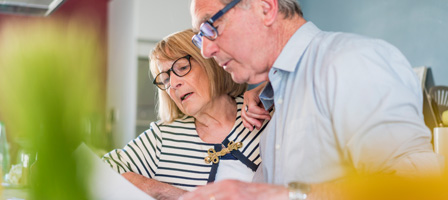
(29, 7)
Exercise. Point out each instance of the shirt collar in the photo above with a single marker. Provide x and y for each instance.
(296, 46)
(267, 96)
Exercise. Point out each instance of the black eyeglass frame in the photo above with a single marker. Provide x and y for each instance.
(198, 37)
(160, 84)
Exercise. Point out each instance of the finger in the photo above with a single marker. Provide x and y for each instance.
(245, 107)
(252, 122)
(244, 118)
(256, 109)
(258, 116)
(257, 113)
(258, 126)
(248, 125)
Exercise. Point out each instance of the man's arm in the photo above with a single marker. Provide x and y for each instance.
(154, 188)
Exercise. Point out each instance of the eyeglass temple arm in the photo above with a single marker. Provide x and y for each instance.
(224, 10)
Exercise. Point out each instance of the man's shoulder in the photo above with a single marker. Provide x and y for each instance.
(341, 49)
(340, 42)
(348, 54)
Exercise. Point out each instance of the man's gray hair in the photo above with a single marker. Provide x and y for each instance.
(289, 8)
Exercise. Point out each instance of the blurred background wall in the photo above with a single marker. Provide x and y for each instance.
(418, 28)
(130, 28)
(135, 26)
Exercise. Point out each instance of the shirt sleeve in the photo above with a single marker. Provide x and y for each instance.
(140, 155)
(375, 103)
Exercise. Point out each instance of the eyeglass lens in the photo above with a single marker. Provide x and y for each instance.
(197, 40)
(207, 29)
(180, 68)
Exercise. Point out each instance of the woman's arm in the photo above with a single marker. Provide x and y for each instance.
(154, 188)
(256, 113)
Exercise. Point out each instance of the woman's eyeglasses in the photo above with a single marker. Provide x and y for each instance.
(180, 67)
(207, 29)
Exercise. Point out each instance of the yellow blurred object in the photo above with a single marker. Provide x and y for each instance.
(445, 118)
(391, 187)
(1, 181)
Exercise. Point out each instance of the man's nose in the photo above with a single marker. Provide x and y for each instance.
(209, 48)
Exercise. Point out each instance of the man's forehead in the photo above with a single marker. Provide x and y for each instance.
(203, 10)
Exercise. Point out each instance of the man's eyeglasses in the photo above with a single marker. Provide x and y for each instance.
(180, 67)
(207, 29)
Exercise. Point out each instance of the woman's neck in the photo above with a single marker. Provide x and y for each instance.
(217, 120)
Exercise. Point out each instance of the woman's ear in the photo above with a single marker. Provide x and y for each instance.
(270, 9)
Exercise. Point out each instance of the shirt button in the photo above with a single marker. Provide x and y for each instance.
(277, 146)
(280, 101)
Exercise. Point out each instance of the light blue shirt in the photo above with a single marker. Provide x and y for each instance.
(343, 103)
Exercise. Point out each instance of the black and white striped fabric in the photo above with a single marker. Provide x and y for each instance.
(173, 153)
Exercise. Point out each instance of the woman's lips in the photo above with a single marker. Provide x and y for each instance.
(186, 96)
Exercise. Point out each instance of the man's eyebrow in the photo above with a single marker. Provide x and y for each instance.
(205, 18)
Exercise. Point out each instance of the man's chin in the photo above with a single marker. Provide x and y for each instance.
(237, 79)
(243, 78)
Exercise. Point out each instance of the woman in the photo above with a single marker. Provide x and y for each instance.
(200, 137)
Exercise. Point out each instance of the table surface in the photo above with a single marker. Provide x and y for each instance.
(13, 193)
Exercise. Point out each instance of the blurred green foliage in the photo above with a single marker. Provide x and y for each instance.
(49, 82)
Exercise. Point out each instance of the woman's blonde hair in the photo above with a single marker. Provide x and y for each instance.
(178, 45)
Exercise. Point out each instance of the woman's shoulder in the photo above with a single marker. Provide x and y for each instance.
(239, 102)
(239, 98)
(183, 120)
(180, 124)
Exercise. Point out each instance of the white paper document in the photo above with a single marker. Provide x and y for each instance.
(103, 182)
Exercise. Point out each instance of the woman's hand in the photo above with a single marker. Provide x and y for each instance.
(253, 112)
(154, 188)
(233, 189)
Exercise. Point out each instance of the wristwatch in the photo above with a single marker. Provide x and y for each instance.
(298, 190)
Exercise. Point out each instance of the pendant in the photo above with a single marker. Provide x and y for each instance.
(213, 156)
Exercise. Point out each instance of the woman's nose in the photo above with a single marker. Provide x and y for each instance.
(175, 81)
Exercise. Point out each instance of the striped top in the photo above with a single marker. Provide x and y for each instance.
(173, 153)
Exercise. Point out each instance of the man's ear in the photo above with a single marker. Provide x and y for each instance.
(270, 9)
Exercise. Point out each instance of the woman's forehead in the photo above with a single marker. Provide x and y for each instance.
(164, 64)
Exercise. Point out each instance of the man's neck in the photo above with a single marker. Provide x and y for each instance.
(283, 30)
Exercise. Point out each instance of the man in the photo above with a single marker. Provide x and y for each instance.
(344, 103)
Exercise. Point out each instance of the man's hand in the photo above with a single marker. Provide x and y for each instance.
(233, 189)
(253, 113)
